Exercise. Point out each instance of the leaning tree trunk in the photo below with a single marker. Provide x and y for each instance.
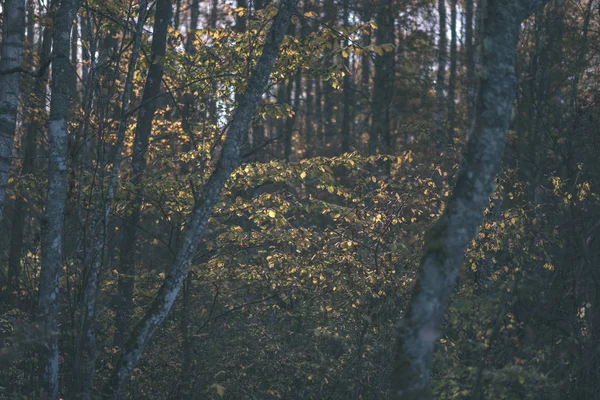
(230, 159)
(13, 32)
(446, 241)
(126, 284)
(54, 214)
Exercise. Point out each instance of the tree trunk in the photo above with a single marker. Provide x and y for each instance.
(327, 90)
(440, 85)
(447, 240)
(229, 160)
(194, 14)
(383, 85)
(470, 54)
(305, 30)
(143, 130)
(452, 81)
(347, 94)
(54, 213)
(34, 109)
(85, 360)
(13, 32)
(318, 142)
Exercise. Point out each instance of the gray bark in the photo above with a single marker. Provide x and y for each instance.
(13, 33)
(53, 223)
(447, 240)
(230, 159)
(145, 118)
(85, 361)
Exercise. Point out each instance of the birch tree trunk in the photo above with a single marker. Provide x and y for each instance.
(446, 241)
(230, 159)
(13, 31)
(54, 213)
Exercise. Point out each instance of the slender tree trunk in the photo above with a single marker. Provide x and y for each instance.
(259, 133)
(13, 31)
(85, 361)
(440, 85)
(177, 15)
(329, 128)
(383, 85)
(452, 80)
(143, 130)
(74, 57)
(54, 213)
(318, 145)
(446, 241)
(229, 160)
(470, 55)
(240, 21)
(186, 367)
(347, 95)
(365, 82)
(194, 14)
(308, 83)
(34, 111)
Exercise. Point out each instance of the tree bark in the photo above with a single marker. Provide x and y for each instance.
(383, 86)
(347, 91)
(54, 213)
(470, 55)
(152, 87)
(452, 80)
(13, 32)
(34, 109)
(229, 160)
(440, 84)
(329, 127)
(447, 240)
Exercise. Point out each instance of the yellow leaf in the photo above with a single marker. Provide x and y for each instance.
(220, 390)
(549, 267)
(330, 189)
(272, 213)
(303, 175)
(310, 14)
(387, 47)
(345, 53)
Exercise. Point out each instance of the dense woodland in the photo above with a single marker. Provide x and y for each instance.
(313, 199)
